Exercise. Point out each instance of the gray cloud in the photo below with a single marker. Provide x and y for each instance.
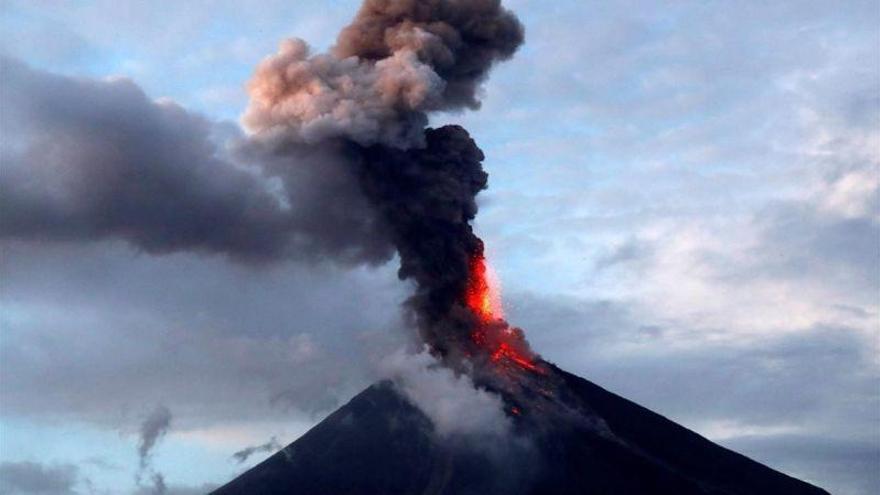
(218, 342)
(31, 478)
(814, 242)
(846, 466)
(34, 478)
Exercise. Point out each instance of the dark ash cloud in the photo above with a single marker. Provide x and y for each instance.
(85, 160)
(222, 342)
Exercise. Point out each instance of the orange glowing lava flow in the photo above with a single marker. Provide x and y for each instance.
(481, 297)
(503, 344)
(505, 351)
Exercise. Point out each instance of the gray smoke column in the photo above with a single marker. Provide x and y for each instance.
(369, 99)
(154, 427)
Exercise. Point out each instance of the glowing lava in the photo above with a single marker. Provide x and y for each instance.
(503, 344)
(481, 296)
(506, 351)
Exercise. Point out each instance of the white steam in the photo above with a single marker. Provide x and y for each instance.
(452, 402)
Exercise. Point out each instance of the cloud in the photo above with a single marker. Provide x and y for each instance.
(34, 478)
(31, 478)
(794, 263)
(846, 466)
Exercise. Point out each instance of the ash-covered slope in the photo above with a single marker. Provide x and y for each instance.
(601, 444)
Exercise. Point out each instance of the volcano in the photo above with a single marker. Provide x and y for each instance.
(569, 436)
(363, 109)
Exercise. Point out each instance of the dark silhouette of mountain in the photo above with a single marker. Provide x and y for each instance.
(569, 437)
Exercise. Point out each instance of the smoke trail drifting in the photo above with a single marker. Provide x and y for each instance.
(244, 454)
(153, 428)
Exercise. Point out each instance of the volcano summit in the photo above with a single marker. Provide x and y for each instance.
(569, 436)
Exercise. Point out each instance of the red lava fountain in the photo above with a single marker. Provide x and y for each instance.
(504, 345)
(482, 295)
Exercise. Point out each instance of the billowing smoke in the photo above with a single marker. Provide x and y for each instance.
(455, 406)
(397, 60)
(153, 428)
(338, 162)
(427, 196)
(368, 100)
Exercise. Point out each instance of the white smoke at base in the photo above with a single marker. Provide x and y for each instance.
(452, 402)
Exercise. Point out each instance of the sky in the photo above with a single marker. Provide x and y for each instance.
(684, 207)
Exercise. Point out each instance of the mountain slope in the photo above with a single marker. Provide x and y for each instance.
(380, 444)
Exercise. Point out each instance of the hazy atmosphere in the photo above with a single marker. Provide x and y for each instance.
(683, 207)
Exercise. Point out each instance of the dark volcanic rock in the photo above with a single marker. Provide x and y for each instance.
(602, 444)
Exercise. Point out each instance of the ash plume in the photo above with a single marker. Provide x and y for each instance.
(428, 198)
(368, 100)
(337, 163)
